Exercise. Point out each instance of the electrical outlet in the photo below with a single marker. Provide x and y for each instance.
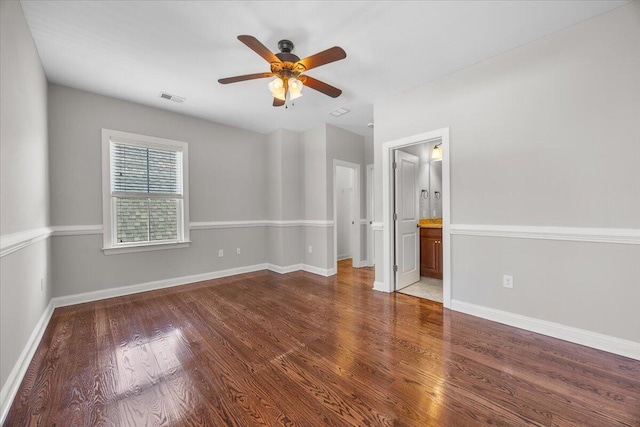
(237, 251)
(220, 253)
(507, 281)
(310, 249)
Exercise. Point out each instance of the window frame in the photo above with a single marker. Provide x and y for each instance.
(109, 241)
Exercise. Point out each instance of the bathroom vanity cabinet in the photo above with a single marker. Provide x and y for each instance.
(431, 252)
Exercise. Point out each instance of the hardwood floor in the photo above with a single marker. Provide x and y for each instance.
(303, 350)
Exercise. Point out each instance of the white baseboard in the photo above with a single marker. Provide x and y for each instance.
(358, 264)
(379, 286)
(150, 286)
(11, 385)
(184, 280)
(286, 269)
(579, 336)
(326, 272)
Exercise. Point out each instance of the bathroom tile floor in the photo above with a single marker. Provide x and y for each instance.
(427, 288)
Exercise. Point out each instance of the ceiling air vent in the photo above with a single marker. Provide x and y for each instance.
(339, 112)
(174, 98)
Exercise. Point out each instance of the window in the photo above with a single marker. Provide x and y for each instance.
(145, 193)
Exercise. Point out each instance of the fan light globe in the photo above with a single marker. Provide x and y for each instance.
(295, 88)
(275, 85)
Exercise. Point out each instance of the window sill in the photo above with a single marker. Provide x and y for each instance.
(145, 247)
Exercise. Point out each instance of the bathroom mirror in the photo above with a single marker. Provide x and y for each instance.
(430, 180)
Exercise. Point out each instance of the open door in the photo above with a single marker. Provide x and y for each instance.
(406, 218)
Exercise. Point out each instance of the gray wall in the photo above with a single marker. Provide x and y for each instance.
(24, 184)
(315, 174)
(227, 182)
(547, 134)
(285, 197)
(314, 207)
(226, 165)
(368, 149)
(234, 175)
(79, 265)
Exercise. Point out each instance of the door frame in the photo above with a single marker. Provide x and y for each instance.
(388, 234)
(370, 209)
(355, 230)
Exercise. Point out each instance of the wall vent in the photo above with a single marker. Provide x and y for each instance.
(174, 98)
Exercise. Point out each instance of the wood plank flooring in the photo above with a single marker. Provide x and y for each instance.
(264, 349)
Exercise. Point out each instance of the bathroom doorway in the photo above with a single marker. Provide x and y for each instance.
(441, 203)
(426, 195)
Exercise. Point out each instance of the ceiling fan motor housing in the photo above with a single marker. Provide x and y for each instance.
(288, 58)
(285, 46)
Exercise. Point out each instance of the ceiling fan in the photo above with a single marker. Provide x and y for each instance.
(288, 70)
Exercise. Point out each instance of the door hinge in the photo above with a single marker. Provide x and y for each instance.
(395, 216)
(395, 268)
(395, 165)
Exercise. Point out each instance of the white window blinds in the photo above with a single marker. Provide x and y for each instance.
(144, 170)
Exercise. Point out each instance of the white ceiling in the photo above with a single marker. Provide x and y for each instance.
(133, 50)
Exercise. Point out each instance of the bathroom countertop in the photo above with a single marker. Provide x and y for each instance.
(430, 223)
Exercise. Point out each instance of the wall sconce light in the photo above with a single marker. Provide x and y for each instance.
(436, 154)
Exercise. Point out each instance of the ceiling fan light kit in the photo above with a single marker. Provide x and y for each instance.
(288, 70)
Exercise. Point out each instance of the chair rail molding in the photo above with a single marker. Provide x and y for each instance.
(12, 242)
(627, 236)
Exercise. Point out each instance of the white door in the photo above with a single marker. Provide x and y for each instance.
(406, 218)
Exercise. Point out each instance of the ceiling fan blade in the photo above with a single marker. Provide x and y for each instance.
(321, 58)
(278, 102)
(327, 89)
(245, 77)
(255, 45)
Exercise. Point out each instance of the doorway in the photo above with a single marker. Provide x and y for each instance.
(426, 195)
(389, 245)
(346, 212)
